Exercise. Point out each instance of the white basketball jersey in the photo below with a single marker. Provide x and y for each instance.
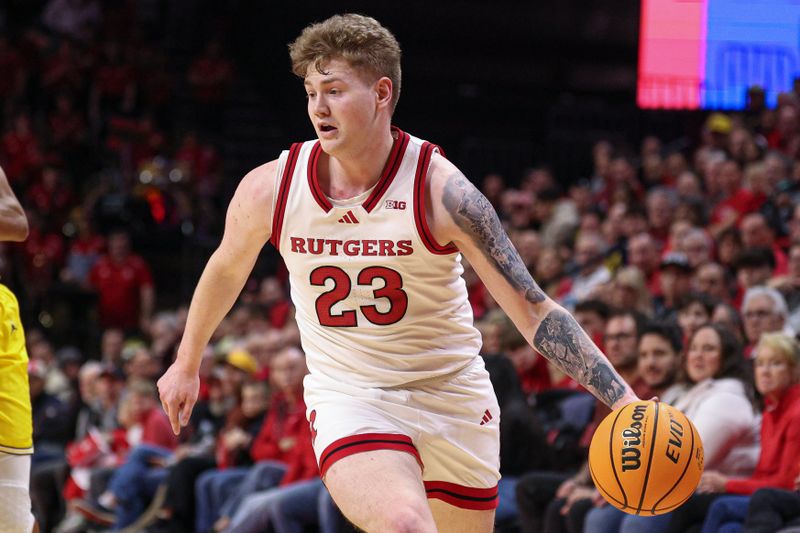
(379, 302)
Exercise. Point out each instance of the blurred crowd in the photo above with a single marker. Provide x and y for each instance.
(680, 258)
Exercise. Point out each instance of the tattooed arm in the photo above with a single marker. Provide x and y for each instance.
(462, 215)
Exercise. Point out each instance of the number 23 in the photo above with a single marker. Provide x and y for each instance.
(392, 290)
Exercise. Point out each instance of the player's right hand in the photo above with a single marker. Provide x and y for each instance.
(178, 389)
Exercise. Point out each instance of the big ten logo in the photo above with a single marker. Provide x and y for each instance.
(632, 440)
(395, 204)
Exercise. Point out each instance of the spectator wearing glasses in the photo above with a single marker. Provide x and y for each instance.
(763, 311)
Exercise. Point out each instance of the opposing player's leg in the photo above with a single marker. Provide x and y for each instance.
(15, 501)
(451, 519)
(381, 491)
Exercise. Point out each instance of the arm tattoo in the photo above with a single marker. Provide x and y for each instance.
(561, 339)
(475, 215)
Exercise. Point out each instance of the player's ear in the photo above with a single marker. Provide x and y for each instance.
(383, 92)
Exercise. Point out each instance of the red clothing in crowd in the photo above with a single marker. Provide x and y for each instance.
(118, 286)
(285, 427)
(301, 459)
(536, 378)
(742, 203)
(157, 430)
(778, 463)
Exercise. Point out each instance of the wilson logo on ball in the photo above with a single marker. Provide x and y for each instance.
(632, 441)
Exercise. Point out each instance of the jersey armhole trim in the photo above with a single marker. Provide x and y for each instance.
(283, 193)
(420, 216)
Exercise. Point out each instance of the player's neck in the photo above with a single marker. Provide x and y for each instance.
(348, 175)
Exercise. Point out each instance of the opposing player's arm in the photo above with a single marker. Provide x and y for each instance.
(462, 215)
(13, 223)
(248, 226)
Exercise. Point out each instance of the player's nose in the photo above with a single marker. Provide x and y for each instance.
(320, 106)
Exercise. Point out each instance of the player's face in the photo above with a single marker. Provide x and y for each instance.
(704, 358)
(342, 105)
(772, 372)
(658, 362)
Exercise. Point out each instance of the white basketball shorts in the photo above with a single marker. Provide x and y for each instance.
(451, 426)
(15, 500)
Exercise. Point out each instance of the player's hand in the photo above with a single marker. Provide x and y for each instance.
(712, 482)
(178, 389)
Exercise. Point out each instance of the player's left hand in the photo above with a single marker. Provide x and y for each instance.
(712, 482)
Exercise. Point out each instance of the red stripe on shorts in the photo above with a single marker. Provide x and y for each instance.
(365, 442)
(463, 497)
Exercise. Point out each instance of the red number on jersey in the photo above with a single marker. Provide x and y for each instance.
(326, 300)
(392, 290)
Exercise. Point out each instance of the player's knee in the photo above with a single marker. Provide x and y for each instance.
(409, 517)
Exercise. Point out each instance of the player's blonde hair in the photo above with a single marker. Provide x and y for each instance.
(360, 41)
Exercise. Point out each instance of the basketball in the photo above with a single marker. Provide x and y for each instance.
(646, 458)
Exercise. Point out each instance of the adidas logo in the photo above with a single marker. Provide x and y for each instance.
(349, 218)
(486, 417)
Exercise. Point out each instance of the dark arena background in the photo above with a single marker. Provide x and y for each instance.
(644, 157)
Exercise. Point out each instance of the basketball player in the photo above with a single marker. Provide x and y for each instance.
(371, 222)
(16, 425)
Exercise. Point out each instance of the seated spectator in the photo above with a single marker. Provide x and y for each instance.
(675, 279)
(628, 291)
(643, 253)
(774, 510)
(694, 311)
(712, 280)
(763, 311)
(592, 316)
(776, 364)
(728, 317)
(789, 286)
(757, 233)
(698, 247)
(729, 246)
(590, 271)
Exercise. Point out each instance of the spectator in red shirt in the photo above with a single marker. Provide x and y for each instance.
(643, 253)
(124, 285)
(757, 233)
(736, 201)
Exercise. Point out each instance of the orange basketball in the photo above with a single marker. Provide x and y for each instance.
(646, 458)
